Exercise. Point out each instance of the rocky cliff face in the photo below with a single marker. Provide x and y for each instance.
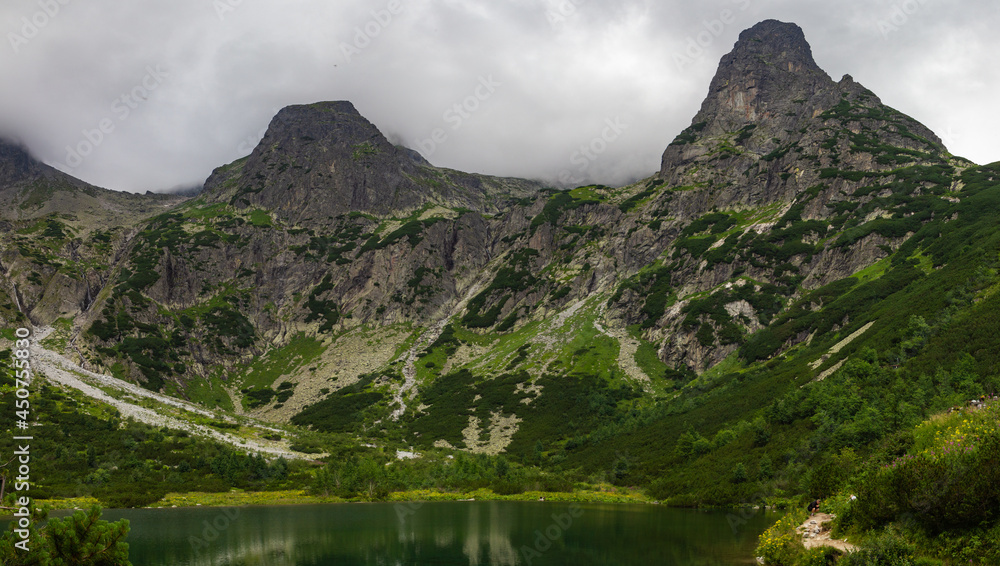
(330, 260)
(769, 81)
(831, 162)
(60, 237)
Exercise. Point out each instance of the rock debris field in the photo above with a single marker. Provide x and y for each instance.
(60, 370)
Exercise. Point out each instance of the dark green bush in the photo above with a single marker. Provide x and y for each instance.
(888, 549)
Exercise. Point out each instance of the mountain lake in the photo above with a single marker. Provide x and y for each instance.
(459, 533)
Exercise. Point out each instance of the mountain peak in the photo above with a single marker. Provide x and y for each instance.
(16, 164)
(763, 83)
(771, 63)
(773, 43)
(337, 122)
(334, 106)
(321, 160)
(769, 105)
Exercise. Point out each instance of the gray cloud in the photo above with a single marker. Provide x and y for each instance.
(560, 71)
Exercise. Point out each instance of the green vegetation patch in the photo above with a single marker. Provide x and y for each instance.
(343, 410)
(412, 231)
(515, 278)
(648, 191)
(689, 134)
(555, 206)
(300, 351)
(325, 310)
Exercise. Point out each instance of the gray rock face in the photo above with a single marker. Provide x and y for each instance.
(322, 160)
(49, 265)
(770, 66)
(16, 165)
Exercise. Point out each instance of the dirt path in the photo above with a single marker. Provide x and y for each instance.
(58, 369)
(408, 389)
(816, 532)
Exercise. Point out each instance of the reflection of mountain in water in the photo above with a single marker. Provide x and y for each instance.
(460, 533)
(490, 537)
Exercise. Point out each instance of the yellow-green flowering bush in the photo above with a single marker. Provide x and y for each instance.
(781, 545)
(951, 480)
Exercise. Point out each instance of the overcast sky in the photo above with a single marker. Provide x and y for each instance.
(183, 86)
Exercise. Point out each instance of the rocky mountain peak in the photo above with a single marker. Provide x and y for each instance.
(319, 160)
(768, 83)
(770, 66)
(337, 122)
(772, 44)
(769, 104)
(322, 160)
(16, 164)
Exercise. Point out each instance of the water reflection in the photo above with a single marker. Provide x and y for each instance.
(473, 534)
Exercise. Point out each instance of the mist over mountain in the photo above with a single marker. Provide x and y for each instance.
(801, 240)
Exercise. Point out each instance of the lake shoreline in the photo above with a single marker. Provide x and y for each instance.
(239, 498)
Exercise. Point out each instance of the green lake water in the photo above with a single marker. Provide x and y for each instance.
(459, 533)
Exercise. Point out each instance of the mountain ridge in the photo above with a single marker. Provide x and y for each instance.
(333, 281)
(746, 148)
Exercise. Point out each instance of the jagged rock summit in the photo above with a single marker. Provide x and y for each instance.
(321, 160)
(767, 119)
(771, 63)
(764, 83)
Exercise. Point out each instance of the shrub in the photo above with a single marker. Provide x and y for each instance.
(760, 346)
(650, 190)
(739, 474)
(781, 545)
(688, 135)
(822, 556)
(555, 206)
(305, 448)
(696, 246)
(888, 549)
(952, 484)
(82, 538)
(258, 397)
(343, 410)
(325, 310)
(132, 498)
